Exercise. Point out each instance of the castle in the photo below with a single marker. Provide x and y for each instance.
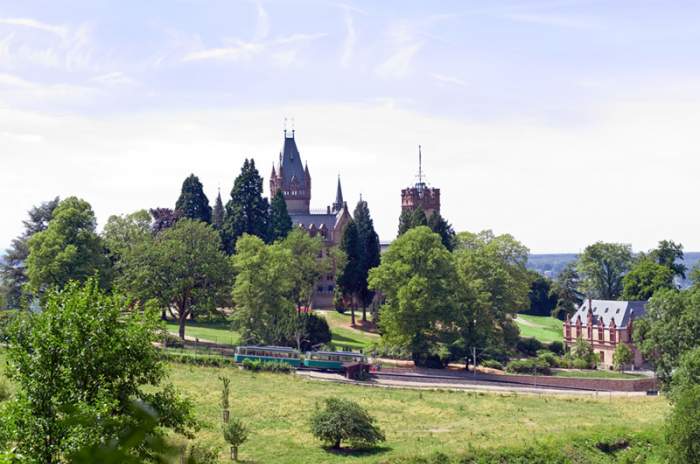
(420, 194)
(292, 177)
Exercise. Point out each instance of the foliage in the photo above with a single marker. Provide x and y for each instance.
(69, 249)
(492, 364)
(123, 236)
(235, 434)
(349, 276)
(247, 212)
(602, 267)
(183, 268)
(305, 267)
(257, 365)
(622, 356)
(163, 219)
(369, 253)
(343, 419)
(218, 214)
(78, 366)
(225, 392)
(193, 203)
(529, 346)
(13, 274)
(262, 291)
(556, 347)
(411, 218)
(543, 299)
(440, 226)
(417, 278)
(583, 355)
(4, 391)
(198, 453)
(532, 366)
(566, 289)
(307, 331)
(683, 427)
(382, 349)
(173, 341)
(668, 254)
(670, 327)
(645, 278)
(280, 222)
(688, 372)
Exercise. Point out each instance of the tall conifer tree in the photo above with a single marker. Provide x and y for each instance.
(440, 226)
(369, 253)
(217, 217)
(247, 212)
(351, 273)
(193, 203)
(280, 221)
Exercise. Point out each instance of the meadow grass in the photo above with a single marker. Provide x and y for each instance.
(345, 336)
(211, 331)
(596, 374)
(543, 328)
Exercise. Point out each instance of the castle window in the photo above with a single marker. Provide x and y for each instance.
(319, 289)
(330, 289)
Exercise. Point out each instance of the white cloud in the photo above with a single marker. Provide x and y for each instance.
(22, 92)
(60, 31)
(444, 79)
(567, 22)
(262, 27)
(239, 50)
(116, 78)
(399, 63)
(349, 42)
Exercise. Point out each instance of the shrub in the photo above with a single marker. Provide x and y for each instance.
(317, 332)
(529, 346)
(549, 358)
(345, 420)
(622, 356)
(492, 364)
(683, 427)
(235, 434)
(583, 352)
(173, 341)
(578, 363)
(201, 454)
(556, 348)
(382, 349)
(257, 365)
(528, 366)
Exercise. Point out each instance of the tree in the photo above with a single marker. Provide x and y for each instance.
(235, 434)
(69, 249)
(262, 291)
(683, 427)
(668, 253)
(566, 289)
(543, 299)
(217, 216)
(247, 212)
(417, 277)
(280, 222)
(622, 356)
(582, 351)
(184, 269)
(306, 268)
(193, 203)
(13, 272)
(440, 226)
(669, 329)
(602, 267)
(411, 218)
(349, 277)
(122, 234)
(163, 218)
(687, 374)
(79, 365)
(369, 253)
(645, 278)
(345, 420)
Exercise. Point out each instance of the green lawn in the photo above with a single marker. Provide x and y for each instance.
(345, 336)
(277, 407)
(217, 332)
(596, 374)
(545, 329)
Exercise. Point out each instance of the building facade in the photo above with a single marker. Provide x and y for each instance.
(420, 194)
(605, 324)
(292, 177)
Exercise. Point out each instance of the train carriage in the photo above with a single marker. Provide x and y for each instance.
(268, 353)
(332, 360)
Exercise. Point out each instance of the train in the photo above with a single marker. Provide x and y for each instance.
(321, 360)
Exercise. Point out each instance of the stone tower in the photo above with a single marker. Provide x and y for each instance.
(292, 177)
(420, 194)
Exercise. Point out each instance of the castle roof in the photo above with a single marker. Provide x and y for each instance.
(607, 311)
(290, 166)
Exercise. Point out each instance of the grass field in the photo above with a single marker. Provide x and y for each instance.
(344, 335)
(545, 329)
(217, 332)
(596, 374)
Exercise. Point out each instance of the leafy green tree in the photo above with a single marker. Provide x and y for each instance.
(163, 218)
(417, 277)
(543, 299)
(247, 212)
(669, 329)
(13, 273)
(645, 278)
(306, 268)
(262, 292)
(602, 266)
(280, 221)
(193, 203)
(122, 234)
(582, 351)
(683, 427)
(349, 277)
(670, 254)
(344, 420)
(440, 226)
(218, 214)
(622, 356)
(235, 434)
(688, 372)
(566, 289)
(184, 269)
(369, 250)
(78, 366)
(69, 249)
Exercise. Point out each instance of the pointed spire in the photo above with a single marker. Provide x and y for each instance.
(338, 204)
(274, 173)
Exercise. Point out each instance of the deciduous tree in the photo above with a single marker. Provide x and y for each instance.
(344, 420)
(645, 278)
(602, 266)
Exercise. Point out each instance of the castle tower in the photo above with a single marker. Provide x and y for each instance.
(292, 177)
(420, 194)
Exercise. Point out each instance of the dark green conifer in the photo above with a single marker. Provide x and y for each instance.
(369, 253)
(440, 226)
(217, 218)
(280, 221)
(247, 212)
(350, 275)
(193, 203)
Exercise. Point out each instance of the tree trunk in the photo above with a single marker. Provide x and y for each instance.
(235, 453)
(336, 445)
(182, 319)
(364, 313)
(352, 312)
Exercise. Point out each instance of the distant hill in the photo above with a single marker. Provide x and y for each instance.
(551, 265)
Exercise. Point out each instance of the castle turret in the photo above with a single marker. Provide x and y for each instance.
(420, 194)
(292, 178)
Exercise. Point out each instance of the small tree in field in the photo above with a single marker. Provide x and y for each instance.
(622, 356)
(235, 434)
(225, 389)
(345, 420)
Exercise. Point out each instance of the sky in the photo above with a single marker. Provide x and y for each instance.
(560, 122)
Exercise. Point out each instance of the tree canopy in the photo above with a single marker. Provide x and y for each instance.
(344, 420)
(645, 278)
(247, 212)
(193, 203)
(369, 253)
(349, 275)
(602, 266)
(280, 222)
(69, 249)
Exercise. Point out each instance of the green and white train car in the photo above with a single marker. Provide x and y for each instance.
(268, 353)
(332, 360)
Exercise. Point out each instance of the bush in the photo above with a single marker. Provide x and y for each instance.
(622, 356)
(549, 358)
(578, 363)
(556, 348)
(173, 341)
(235, 434)
(492, 364)
(257, 365)
(529, 346)
(529, 366)
(345, 420)
(317, 332)
(382, 349)
(201, 454)
(683, 427)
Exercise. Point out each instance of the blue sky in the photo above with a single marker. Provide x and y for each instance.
(561, 122)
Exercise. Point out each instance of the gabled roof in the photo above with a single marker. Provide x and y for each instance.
(291, 166)
(607, 311)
